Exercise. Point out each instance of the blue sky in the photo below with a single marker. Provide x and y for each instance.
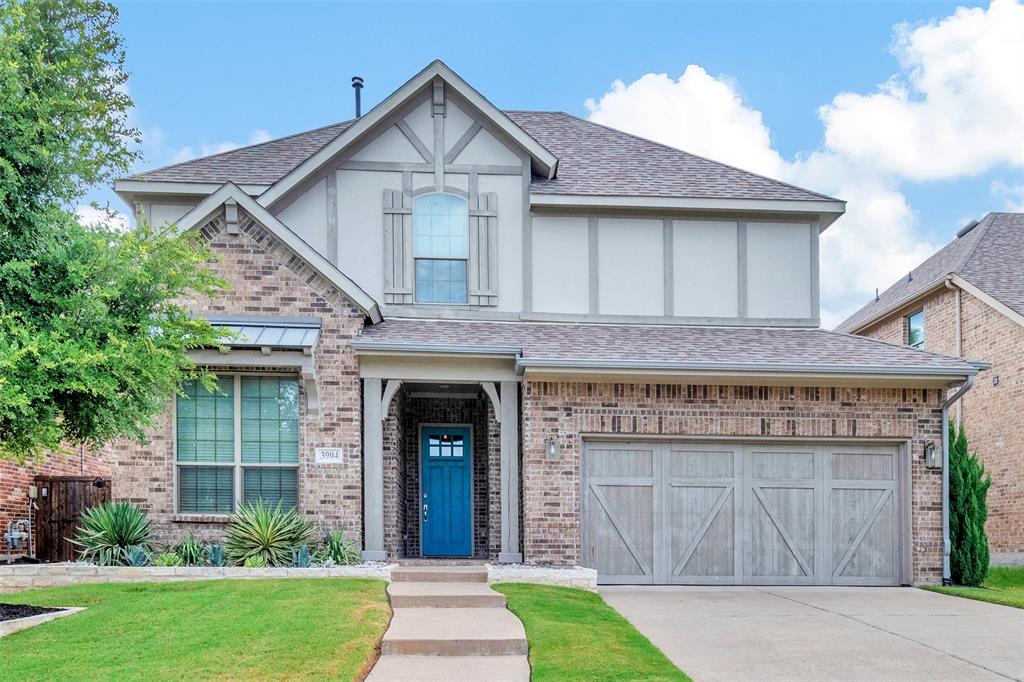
(219, 74)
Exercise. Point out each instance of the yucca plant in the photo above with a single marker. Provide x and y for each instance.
(215, 555)
(268, 532)
(107, 530)
(337, 550)
(191, 551)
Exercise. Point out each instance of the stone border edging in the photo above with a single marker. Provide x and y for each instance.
(583, 578)
(29, 576)
(9, 627)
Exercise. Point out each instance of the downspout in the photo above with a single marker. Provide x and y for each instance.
(946, 545)
(958, 326)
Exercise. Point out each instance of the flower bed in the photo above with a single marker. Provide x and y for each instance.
(15, 617)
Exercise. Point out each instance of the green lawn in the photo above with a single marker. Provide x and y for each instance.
(574, 635)
(225, 629)
(1003, 586)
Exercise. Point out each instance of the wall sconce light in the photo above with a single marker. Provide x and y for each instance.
(931, 457)
(552, 450)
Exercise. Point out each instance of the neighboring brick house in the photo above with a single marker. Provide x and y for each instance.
(522, 336)
(15, 481)
(967, 300)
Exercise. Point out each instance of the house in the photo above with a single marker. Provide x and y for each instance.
(524, 337)
(967, 300)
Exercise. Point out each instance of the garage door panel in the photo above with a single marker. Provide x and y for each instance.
(701, 531)
(758, 513)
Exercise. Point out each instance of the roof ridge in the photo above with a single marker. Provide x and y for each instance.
(238, 149)
(982, 228)
(697, 156)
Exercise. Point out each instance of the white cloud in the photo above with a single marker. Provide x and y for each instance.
(956, 108)
(90, 215)
(160, 149)
(1013, 195)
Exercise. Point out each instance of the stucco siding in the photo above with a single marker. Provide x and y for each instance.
(631, 267)
(779, 270)
(561, 265)
(705, 267)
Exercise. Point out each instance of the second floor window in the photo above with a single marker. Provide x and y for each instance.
(441, 248)
(915, 330)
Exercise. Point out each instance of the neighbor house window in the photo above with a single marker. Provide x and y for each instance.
(238, 443)
(441, 248)
(915, 329)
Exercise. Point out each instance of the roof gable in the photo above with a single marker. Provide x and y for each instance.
(544, 162)
(230, 192)
(987, 257)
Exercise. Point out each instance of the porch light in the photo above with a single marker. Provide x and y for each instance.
(931, 460)
(552, 450)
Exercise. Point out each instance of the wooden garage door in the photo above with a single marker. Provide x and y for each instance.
(744, 513)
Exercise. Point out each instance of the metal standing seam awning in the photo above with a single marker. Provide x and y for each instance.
(259, 341)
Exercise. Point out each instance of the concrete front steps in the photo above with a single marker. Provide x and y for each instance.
(447, 624)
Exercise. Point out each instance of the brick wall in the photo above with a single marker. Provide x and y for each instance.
(551, 490)
(15, 480)
(991, 411)
(267, 279)
(402, 469)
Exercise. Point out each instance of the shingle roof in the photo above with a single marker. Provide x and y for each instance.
(592, 160)
(597, 160)
(258, 164)
(989, 257)
(700, 347)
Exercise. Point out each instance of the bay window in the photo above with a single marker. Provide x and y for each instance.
(237, 444)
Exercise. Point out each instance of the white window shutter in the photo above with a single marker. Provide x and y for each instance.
(398, 263)
(483, 249)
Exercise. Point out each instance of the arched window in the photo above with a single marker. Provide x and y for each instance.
(441, 248)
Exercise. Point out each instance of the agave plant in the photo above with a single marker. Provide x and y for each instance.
(190, 550)
(168, 559)
(255, 561)
(215, 555)
(268, 532)
(136, 555)
(107, 530)
(300, 556)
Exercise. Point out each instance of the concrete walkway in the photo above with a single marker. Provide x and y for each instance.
(449, 625)
(826, 633)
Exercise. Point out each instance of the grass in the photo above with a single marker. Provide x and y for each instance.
(575, 635)
(1004, 585)
(227, 629)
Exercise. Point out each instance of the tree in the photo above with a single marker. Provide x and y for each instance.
(94, 332)
(968, 511)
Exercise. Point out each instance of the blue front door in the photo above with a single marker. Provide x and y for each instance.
(445, 493)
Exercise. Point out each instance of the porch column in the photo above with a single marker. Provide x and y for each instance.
(510, 552)
(373, 472)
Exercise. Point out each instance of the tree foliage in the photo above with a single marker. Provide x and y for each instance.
(93, 331)
(968, 511)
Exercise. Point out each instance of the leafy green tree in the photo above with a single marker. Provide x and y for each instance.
(968, 511)
(94, 333)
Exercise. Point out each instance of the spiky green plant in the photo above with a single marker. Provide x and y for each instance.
(300, 556)
(191, 551)
(108, 529)
(968, 511)
(136, 555)
(271, 533)
(255, 561)
(168, 559)
(336, 549)
(215, 555)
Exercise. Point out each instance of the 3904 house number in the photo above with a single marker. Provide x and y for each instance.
(329, 456)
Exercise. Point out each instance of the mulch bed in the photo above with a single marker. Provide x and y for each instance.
(12, 611)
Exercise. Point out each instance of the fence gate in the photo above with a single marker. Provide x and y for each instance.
(61, 501)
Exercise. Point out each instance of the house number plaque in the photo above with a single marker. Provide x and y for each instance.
(329, 456)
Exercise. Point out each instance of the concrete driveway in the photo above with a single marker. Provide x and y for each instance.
(826, 633)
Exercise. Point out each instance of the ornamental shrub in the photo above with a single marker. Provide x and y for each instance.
(968, 511)
(108, 530)
(268, 532)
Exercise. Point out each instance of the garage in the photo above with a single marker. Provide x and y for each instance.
(751, 513)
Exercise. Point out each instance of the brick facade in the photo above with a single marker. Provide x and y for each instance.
(266, 278)
(15, 480)
(551, 490)
(408, 411)
(992, 409)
